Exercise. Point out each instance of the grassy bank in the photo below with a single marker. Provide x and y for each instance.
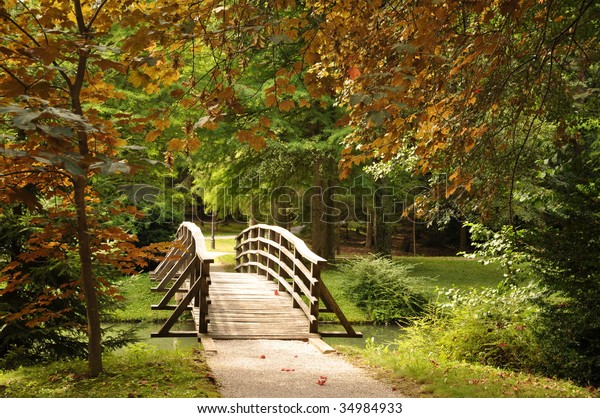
(417, 374)
(139, 372)
(137, 301)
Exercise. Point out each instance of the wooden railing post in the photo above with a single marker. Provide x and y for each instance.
(315, 292)
(204, 270)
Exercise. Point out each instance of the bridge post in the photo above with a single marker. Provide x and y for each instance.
(204, 270)
(315, 292)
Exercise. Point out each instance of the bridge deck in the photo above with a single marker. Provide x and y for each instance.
(248, 306)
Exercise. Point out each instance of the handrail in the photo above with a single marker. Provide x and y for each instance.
(276, 253)
(199, 241)
(187, 268)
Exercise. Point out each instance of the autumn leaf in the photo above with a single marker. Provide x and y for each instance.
(152, 135)
(354, 73)
(271, 100)
(286, 105)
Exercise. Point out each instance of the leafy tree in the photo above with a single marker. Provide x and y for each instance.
(54, 58)
(565, 245)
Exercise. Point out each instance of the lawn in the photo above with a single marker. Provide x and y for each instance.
(457, 272)
(417, 375)
(140, 372)
(137, 301)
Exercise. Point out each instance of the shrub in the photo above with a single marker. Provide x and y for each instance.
(385, 289)
(489, 326)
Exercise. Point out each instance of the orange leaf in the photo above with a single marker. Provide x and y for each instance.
(271, 101)
(354, 73)
(152, 135)
(286, 105)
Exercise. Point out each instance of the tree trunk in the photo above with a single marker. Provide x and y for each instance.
(94, 328)
(383, 232)
(322, 219)
(80, 182)
(369, 233)
(464, 238)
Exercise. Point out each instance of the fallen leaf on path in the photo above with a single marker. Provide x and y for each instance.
(321, 380)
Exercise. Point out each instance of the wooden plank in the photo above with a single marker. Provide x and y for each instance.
(208, 344)
(321, 345)
(245, 306)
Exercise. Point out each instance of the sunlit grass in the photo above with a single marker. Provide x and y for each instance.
(138, 299)
(435, 377)
(140, 372)
(457, 272)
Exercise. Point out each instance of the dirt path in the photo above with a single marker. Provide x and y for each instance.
(289, 369)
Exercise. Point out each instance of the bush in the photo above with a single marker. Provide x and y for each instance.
(490, 326)
(385, 289)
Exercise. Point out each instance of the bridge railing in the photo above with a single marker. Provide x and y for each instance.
(184, 275)
(279, 255)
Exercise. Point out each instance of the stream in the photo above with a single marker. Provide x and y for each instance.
(382, 334)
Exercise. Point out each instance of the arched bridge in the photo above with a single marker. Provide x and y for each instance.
(275, 293)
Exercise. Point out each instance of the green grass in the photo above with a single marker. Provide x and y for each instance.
(139, 372)
(456, 272)
(138, 299)
(230, 228)
(334, 280)
(419, 375)
(222, 245)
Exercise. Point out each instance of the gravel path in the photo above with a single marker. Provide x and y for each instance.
(289, 369)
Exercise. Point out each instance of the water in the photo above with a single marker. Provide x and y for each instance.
(382, 334)
(143, 331)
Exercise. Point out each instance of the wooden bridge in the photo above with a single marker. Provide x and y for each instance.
(277, 292)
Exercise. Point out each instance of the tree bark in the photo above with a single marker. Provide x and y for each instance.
(322, 219)
(94, 328)
(383, 232)
(369, 233)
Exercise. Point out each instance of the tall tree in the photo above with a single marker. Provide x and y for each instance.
(54, 58)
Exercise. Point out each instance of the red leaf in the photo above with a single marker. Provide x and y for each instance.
(354, 73)
(276, 292)
(262, 356)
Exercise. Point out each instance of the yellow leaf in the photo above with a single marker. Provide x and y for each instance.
(152, 135)
(136, 79)
(175, 145)
(151, 88)
(161, 124)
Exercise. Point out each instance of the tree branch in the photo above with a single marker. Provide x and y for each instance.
(96, 13)
(6, 16)
(36, 19)
(14, 77)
